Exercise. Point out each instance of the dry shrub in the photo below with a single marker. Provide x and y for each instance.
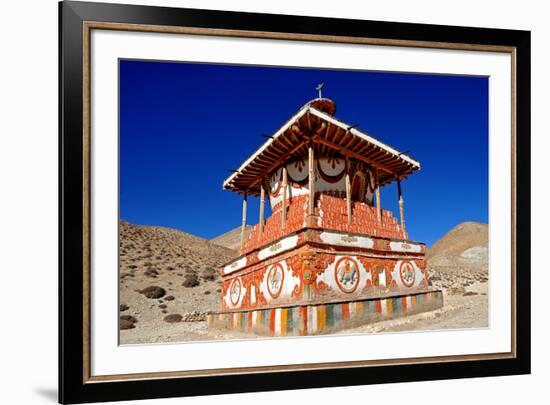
(173, 318)
(190, 281)
(124, 324)
(153, 292)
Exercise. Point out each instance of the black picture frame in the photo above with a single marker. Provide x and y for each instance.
(73, 384)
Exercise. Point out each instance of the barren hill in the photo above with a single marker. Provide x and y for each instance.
(232, 238)
(165, 272)
(460, 257)
(461, 238)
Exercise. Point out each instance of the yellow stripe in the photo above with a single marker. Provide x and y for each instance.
(390, 305)
(359, 307)
(283, 321)
(321, 317)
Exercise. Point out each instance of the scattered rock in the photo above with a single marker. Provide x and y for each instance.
(123, 307)
(194, 316)
(169, 298)
(457, 290)
(469, 293)
(163, 306)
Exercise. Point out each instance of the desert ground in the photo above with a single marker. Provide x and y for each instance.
(168, 282)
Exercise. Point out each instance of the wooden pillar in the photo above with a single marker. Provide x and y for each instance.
(243, 224)
(285, 186)
(348, 192)
(262, 206)
(401, 207)
(311, 173)
(377, 191)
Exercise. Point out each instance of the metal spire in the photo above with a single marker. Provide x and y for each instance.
(319, 88)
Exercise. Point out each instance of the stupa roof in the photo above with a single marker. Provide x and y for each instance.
(327, 135)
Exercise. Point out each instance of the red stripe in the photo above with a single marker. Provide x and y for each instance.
(404, 303)
(378, 306)
(272, 321)
(345, 311)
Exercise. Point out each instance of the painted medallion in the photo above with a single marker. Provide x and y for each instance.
(297, 172)
(235, 291)
(407, 274)
(275, 182)
(275, 278)
(332, 168)
(347, 274)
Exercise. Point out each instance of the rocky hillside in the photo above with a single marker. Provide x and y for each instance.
(461, 238)
(232, 238)
(166, 276)
(460, 257)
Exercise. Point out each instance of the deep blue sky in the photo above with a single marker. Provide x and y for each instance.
(182, 126)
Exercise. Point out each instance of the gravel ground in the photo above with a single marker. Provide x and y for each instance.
(459, 312)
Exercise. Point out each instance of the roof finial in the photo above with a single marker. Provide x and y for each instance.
(319, 88)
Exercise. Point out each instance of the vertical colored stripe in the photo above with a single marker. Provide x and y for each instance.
(359, 308)
(384, 306)
(396, 305)
(303, 321)
(258, 319)
(337, 311)
(312, 320)
(378, 306)
(284, 312)
(345, 311)
(272, 321)
(370, 306)
(289, 323)
(321, 318)
(278, 321)
(330, 315)
(404, 306)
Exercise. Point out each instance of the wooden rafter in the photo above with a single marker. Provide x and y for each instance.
(352, 154)
(328, 134)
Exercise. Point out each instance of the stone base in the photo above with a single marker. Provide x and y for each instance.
(325, 318)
